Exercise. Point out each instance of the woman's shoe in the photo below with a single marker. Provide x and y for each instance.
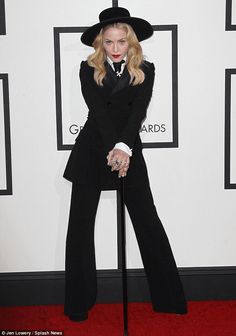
(180, 310)
(78, 317)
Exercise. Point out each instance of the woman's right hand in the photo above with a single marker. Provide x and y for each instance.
(118, 160)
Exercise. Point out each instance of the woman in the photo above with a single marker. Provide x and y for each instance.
(109, 147)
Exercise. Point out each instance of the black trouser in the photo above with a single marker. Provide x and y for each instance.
(81, 283)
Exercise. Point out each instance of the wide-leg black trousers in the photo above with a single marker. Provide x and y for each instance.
(166, 289)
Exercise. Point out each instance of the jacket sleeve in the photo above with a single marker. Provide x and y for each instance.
(97, 106)
(139, 107)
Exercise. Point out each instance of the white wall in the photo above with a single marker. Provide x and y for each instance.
(187, 182)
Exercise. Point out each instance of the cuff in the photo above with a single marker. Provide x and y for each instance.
(124, 147)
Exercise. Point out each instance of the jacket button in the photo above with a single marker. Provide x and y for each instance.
(108, 103)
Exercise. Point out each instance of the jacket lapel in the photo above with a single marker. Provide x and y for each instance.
(115, 83)
(122, 82)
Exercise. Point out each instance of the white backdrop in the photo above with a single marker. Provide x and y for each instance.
(187, 182)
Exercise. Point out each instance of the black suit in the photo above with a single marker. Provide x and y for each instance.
(116, 112)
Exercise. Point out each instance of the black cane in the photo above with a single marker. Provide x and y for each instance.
(123, 256)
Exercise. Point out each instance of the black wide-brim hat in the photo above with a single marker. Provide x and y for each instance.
(141, 27)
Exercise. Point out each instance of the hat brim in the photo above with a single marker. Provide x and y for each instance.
(141, 27)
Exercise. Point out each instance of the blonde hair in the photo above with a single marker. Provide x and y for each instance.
(134, 55)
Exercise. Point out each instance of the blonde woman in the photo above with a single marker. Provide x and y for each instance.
(117, 85)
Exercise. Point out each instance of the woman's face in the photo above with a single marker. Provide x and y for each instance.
(115, 43)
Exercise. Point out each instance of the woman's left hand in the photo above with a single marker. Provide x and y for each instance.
(118, 160)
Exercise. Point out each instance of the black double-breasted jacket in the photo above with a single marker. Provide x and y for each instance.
(116, 112)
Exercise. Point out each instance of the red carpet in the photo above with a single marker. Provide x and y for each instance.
(205, 318)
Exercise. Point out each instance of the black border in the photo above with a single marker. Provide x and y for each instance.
(2, 18)
(174, 32)
(8, 190)
(57, 59)
(175, 136)
(228, 16)
(228, 77)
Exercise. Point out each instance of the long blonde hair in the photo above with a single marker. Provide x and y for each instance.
(134, 55)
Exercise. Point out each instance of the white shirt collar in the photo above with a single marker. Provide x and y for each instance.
(122, 65)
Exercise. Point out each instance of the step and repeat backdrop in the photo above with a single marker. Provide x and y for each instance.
(160, 129)
(189, 136)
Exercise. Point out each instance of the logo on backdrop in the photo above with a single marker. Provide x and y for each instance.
(161, 125)
(146, 128)
(230, 106)
(5, 141)
(2, 18)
